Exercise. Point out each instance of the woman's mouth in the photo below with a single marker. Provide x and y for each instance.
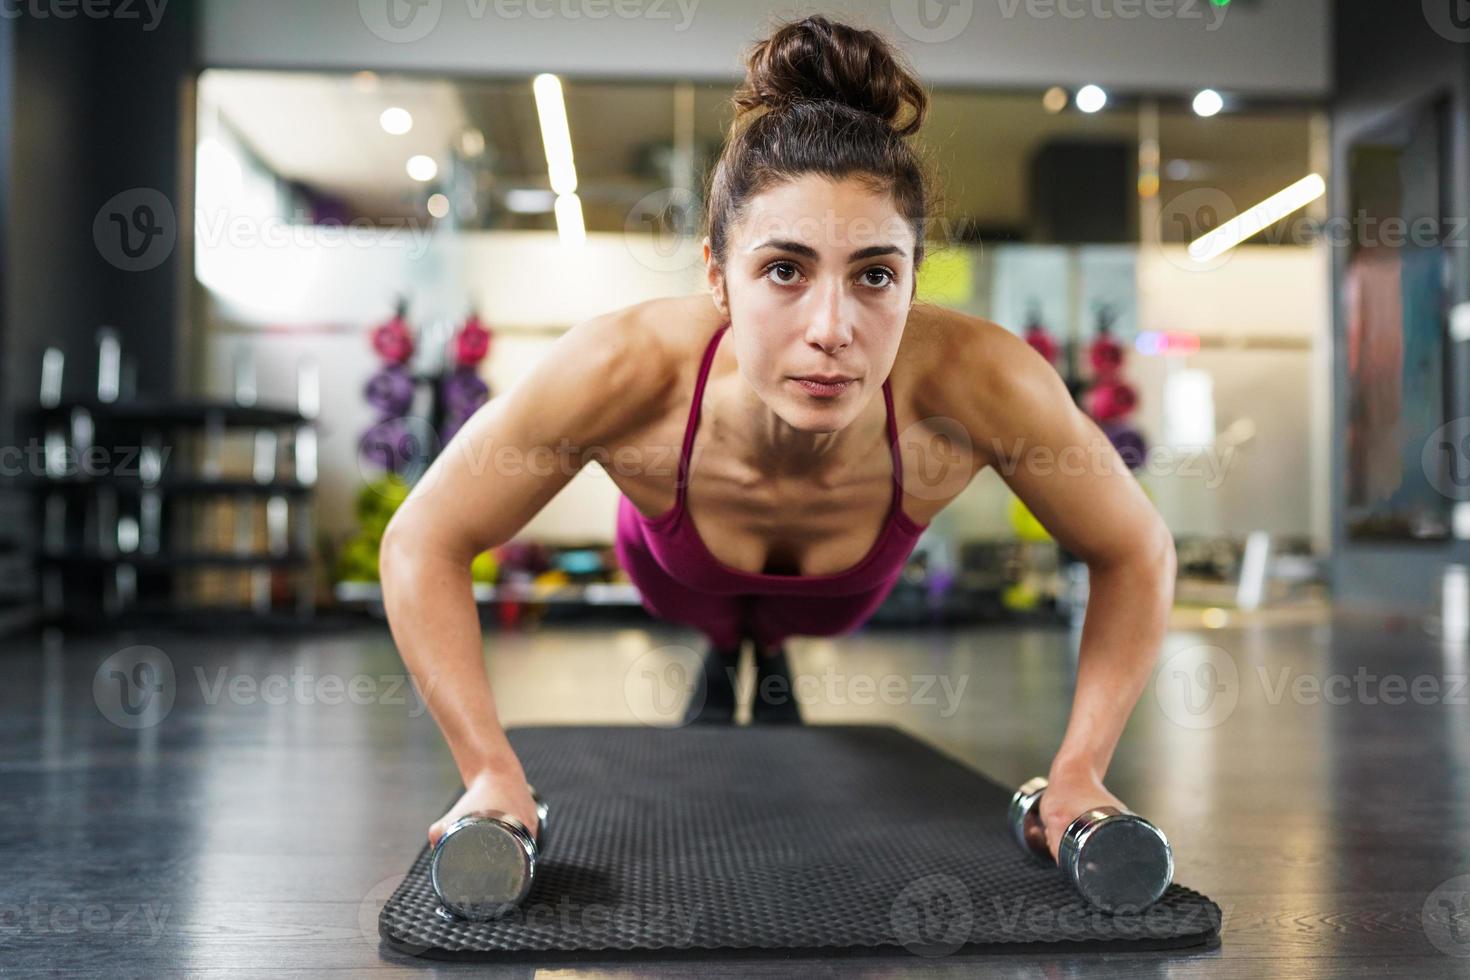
(824, 385)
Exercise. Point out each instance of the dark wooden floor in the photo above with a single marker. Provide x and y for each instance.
(230, 835)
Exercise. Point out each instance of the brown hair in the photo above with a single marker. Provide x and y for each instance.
(838, 101)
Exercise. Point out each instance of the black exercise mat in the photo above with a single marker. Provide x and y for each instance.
(855, 838)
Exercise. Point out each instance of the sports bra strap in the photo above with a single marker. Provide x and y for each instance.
(692, 425)
(693, 422)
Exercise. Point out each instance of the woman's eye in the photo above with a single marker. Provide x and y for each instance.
(776, 269)
(885, 276)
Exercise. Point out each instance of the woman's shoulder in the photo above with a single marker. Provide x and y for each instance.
(674, 328)
(652, 344)
(946, 348)
(637, 359)
(968, 368)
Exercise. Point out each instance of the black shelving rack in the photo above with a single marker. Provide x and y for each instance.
(139, 501)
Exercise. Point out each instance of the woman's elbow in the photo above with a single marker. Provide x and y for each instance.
(398, 553)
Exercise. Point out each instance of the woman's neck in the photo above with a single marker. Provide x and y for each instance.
(767, 443)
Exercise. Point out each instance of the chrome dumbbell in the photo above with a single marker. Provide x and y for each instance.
(1117, 860)
(485, 863)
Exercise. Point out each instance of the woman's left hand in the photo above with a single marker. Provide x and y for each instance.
(1070, 792)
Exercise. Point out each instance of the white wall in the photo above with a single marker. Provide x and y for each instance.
(523, 284)
(1273, 47)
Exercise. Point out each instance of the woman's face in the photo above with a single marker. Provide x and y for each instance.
(817, 284)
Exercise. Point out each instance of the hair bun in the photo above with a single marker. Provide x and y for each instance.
(815, 59)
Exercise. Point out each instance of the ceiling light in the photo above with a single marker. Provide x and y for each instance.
(556, 138)
(1208, 102)
(395, 121)
(1253, 221)
(569, 220)
(1090, 98)
(523, 200)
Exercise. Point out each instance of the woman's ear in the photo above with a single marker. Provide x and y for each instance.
(715, 278)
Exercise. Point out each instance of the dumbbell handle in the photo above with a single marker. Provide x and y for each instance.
(1025, 820)
(507, 818)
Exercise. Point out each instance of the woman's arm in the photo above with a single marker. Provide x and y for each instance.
(598, 381)
(1067, 473)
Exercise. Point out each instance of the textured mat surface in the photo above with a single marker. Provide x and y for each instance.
(803, 838)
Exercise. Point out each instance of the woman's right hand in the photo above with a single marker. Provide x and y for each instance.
(501, 790)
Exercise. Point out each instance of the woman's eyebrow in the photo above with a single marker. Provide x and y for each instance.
(798, 248)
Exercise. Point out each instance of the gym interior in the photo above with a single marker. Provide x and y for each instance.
(1236, 229)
